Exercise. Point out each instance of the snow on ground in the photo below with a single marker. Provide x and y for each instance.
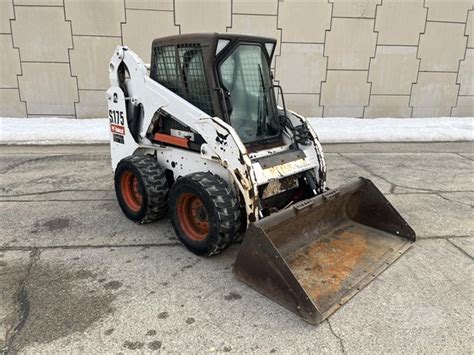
(52, 130)
(346, 130)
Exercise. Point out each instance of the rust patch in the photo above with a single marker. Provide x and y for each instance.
(324, 267)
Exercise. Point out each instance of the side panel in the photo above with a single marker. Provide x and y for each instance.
(183, 162)
(122, 143)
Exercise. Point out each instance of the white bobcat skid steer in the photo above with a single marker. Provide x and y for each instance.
(199, 134)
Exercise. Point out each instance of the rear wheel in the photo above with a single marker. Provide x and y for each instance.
(141, 188)
(204, 213)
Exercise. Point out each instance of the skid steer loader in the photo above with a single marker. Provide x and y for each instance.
(198, 134)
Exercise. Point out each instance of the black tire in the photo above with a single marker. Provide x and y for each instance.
(222, 213)
(151, 184)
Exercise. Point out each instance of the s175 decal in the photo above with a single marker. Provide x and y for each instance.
(116, 117)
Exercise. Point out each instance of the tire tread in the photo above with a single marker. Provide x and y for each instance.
(156, 186)
(226, 205)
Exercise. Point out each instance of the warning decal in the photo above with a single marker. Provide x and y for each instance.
(114, 128)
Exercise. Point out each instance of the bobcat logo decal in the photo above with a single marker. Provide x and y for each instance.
(222, 138)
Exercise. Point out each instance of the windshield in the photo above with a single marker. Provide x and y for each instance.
(245, 76)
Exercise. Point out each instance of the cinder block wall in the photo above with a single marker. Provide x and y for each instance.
(358, 58)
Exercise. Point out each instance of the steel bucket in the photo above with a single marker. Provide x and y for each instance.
(315, 255)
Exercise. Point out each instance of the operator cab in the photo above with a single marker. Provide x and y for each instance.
(224, 75)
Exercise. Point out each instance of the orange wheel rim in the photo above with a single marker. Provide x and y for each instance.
(192, 216)
(131, 191)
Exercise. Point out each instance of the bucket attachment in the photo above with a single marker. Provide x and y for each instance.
(314, 256)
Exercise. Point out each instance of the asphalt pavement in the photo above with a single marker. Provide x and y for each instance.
(77, 276)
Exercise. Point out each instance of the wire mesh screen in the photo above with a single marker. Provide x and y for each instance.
(165, 68)
(181, 69)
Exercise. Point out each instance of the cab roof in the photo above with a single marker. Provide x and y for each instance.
(209, 38)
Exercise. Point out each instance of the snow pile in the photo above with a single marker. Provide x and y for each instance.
(49, 130)
(349, 130)
(53, 130)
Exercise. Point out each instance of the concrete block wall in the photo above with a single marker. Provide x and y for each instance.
(356, 58)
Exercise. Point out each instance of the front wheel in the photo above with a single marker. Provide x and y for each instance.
(204, 212)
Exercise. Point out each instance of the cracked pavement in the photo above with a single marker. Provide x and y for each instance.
(77, 276)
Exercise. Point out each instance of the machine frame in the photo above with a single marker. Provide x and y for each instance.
(223, 152)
